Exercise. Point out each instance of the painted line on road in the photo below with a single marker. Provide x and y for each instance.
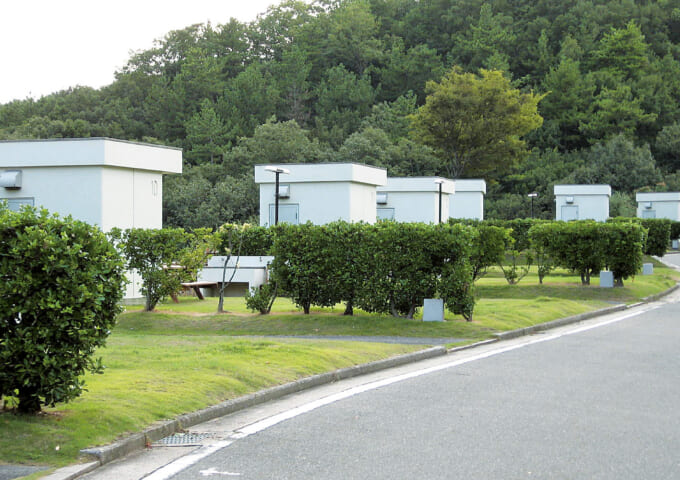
(185, 462)
(308, 407)
(175, 467)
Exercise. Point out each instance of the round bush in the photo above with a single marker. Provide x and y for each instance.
(60, 285)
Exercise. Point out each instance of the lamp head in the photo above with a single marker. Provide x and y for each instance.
(277, 170)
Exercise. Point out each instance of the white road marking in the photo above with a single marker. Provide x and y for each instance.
(214, 471)
(182, 463)
(185, 462)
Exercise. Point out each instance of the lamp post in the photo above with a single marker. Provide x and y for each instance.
(440, 182)
(532, 195)
(277, 171)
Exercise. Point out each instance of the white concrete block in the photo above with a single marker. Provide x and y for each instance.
(433, 310)
(606, 280)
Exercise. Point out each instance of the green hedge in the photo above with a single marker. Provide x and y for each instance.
(658, 233)
(387, 267)
(587, 247)
(675, 230)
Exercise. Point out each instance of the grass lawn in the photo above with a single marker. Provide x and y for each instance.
(185, 357)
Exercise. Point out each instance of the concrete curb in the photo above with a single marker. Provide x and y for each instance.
(657, 296)
(579, 318)
(139, 441)
(72, 471)
(558, 323)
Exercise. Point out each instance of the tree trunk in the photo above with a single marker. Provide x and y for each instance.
(393, 309)
(349, 308)
(29, 402)
(411, 312)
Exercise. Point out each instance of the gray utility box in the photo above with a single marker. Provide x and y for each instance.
(606, 280)
(647, 268)
(433, 310)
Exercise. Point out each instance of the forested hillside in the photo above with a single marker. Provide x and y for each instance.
(342, 80)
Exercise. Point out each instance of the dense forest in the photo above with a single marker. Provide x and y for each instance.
(345, 80)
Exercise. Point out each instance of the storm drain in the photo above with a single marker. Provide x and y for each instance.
(184, 439)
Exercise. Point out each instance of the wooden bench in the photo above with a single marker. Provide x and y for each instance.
(196, 286)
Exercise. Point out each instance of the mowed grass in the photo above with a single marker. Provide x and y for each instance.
(184, 356)
(153, 377)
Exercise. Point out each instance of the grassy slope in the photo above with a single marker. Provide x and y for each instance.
(185, 357)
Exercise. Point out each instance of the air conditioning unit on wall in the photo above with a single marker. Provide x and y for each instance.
(10, 179)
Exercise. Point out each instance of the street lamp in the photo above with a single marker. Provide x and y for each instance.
(440, 182)
(532, 195)
(278, 171)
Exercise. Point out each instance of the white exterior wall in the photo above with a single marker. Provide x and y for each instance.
(148, 200)
(362, 207)
(416, 199)
(118, 198)
(468, 201)
(592, 201)
(661, 205)
(324, 193)
(416, 206)
(66, 190)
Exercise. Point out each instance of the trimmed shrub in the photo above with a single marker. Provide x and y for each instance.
(61, 283)
(587, 247)
(302, 264)
(658, 233)
(675, 230)
(253, 240)
(386, 268)
(658, 236)
(573, 245)
(164, 258)
(623, 244)
(491, 243)
(321, 265)
(409, 262)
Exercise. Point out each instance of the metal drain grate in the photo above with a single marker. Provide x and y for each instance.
(184, 439)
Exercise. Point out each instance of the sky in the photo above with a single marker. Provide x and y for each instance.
(51, 45)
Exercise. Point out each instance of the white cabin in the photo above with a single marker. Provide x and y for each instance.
(658, 205)
(101, 181)
(582, 202)
(319, 193)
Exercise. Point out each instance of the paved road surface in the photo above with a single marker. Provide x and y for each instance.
(600, 404)
(599, 400)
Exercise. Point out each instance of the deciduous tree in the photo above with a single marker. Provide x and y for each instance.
(476, 122)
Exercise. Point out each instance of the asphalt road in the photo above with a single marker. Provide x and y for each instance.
(603, 403)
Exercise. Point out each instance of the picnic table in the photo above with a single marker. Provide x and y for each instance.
(196, 286)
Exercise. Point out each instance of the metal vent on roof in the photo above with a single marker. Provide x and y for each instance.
(381, 198)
